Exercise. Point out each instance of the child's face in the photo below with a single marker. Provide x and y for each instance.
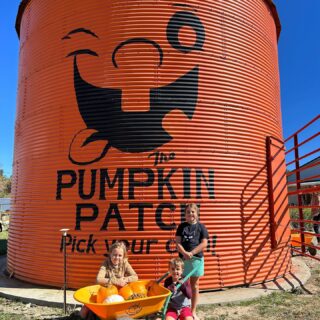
(191, 215)
(176, 272)
(117, 256)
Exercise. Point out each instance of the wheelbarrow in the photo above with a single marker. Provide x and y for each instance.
(156, 302)
(308, 241)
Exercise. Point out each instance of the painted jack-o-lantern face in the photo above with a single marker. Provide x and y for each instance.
(108, 113)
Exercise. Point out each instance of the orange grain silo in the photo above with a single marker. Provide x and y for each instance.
(128, 110)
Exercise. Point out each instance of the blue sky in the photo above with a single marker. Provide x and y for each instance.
(299, 62)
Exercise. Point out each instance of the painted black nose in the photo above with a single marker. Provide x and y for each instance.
(137, 40)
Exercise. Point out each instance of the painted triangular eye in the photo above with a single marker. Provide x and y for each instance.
(185, 19)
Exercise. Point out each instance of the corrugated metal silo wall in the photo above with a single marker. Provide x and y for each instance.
(127, 110)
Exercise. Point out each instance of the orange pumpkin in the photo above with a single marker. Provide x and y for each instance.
(93, 298)
(152, 289)
(126, 292)
(105, 292)
(138, 287)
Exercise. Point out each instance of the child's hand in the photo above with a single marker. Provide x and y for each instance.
(187, 255)
(122, 283)
(172, 288)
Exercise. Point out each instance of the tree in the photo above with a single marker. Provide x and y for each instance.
(5, 185)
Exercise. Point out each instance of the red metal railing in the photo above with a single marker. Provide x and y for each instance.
(299, 186)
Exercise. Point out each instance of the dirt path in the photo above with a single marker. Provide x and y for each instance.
(295, 305)
(301, 304)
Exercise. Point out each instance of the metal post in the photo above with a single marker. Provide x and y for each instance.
(298, 187)
(64, 234)
(270, 194)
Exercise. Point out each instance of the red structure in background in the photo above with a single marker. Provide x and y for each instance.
(304, 236)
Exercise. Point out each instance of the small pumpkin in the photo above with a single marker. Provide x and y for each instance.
(105, 292)
(139, 288)
(126, 292)
(113, 298)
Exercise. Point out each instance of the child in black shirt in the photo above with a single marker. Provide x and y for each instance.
(192, 238)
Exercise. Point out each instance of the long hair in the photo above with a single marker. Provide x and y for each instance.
(118, 245)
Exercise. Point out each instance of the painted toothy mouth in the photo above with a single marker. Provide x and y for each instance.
(100, 109)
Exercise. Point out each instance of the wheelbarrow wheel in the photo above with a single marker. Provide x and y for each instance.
(154, 316)
(312, 251)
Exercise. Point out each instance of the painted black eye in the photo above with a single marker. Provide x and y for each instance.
(185, 19)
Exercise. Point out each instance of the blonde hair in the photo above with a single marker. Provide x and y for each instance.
(191, 206)
(118, 245)
(176, 262)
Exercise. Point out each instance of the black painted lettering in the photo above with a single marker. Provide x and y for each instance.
(126, 242)
(68, 241)
(93, 177)
(133, 183)
(171, 246)
(160, 157)
(65, 184)
(113, 213)
(81, 218)
(159, 211)
(138, 250)
(74, 242)
(149, 243)
(211, 246)
(78, 245)
(163, 158)
(140, 206)
(208, 183)
(165, 181)
(156, 157)
(91, 243)
(104, 178)
(106, 242)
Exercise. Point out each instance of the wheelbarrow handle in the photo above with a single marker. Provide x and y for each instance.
(165, 307)
(163, 277)
(185, 278)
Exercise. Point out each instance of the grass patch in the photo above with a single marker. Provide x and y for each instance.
(10, 316)
(4, 235)
(277, 305)
(307, 215)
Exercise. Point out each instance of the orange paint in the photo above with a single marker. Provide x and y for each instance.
(126, 111)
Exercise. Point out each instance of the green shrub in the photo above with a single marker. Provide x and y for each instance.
(294, 214)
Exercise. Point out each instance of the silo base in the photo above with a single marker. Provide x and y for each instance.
(47, 296)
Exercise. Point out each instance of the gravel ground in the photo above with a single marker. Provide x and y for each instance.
(257, 310)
